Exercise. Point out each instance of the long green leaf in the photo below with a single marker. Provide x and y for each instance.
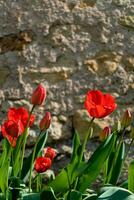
(17, 153)
(4, 176)
(1, 197)
(76, 148)
(116, 193)
(74, 195)
(5, 148)
(131, 177)
(32, 196)
(91, 197)
(117, 166)
(27, 162)
(95, 164)
(66, 177)
(5, 164)
(48, 195)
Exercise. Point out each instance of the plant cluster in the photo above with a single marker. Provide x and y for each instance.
(74, 181)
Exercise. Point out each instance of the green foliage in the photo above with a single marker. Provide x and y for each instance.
(4, 166)
(31, 196)
(95, 164)
(131, 177)
(81, 174)
(116, 193)
(5, 147)
(74, 195)
(48, 195)
(27, 162)
(117, 164)
(68, 175)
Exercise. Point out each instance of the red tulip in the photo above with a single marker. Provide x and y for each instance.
(99, 105)
(45, 122)
(21, 114)
(105, 133)
(11, 130)
(49, 153)
(39, 95)
(42, 164)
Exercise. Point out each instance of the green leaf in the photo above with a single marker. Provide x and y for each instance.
(131, 177)
(95, 164)
(27, 162)
(17, 153)
(74, 195)
(48, 195)
(66, 177)
(91, 197)
(117, 165)
(76, 148)
(4, 169)
(4, 176)
(1, 197)
(124, 184)
(116, 193)
(5, 148)
(31, 196)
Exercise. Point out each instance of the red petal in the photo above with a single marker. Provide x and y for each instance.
(95, 97)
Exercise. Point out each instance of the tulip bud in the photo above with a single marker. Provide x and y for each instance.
(49, 153)
(39, 95)
(117, 126)
(126, 119)
(45, 122)
(105, 133)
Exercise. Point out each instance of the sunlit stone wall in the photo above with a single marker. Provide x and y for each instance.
(70, 46)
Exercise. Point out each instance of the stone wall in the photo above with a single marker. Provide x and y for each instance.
(70, 46)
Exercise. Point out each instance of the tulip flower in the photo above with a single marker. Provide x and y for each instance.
(45, 122)
(20, 114)
(42, 164)
(11, 130)
(126, 119)
(105, 133)
(38, 96)
(49, 153)
(99, 105)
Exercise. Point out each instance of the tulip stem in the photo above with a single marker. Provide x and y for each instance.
(32, 161)
(25, 139)
(38, 183)
(86, 139)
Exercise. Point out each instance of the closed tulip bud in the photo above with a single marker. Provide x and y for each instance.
(126, 119)
(49, 153)
(117, 126)
(39, 95)
(105, 133)
(45, 122)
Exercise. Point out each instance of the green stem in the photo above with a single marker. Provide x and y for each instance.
(86, 139)
(32, 161)
(38, 183)
(83, 147)
(25, 139)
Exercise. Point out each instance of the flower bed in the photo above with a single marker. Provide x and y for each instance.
(74, 181)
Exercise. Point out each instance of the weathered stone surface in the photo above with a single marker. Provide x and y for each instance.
(70, 46)
(81, 122)
(4, 73)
